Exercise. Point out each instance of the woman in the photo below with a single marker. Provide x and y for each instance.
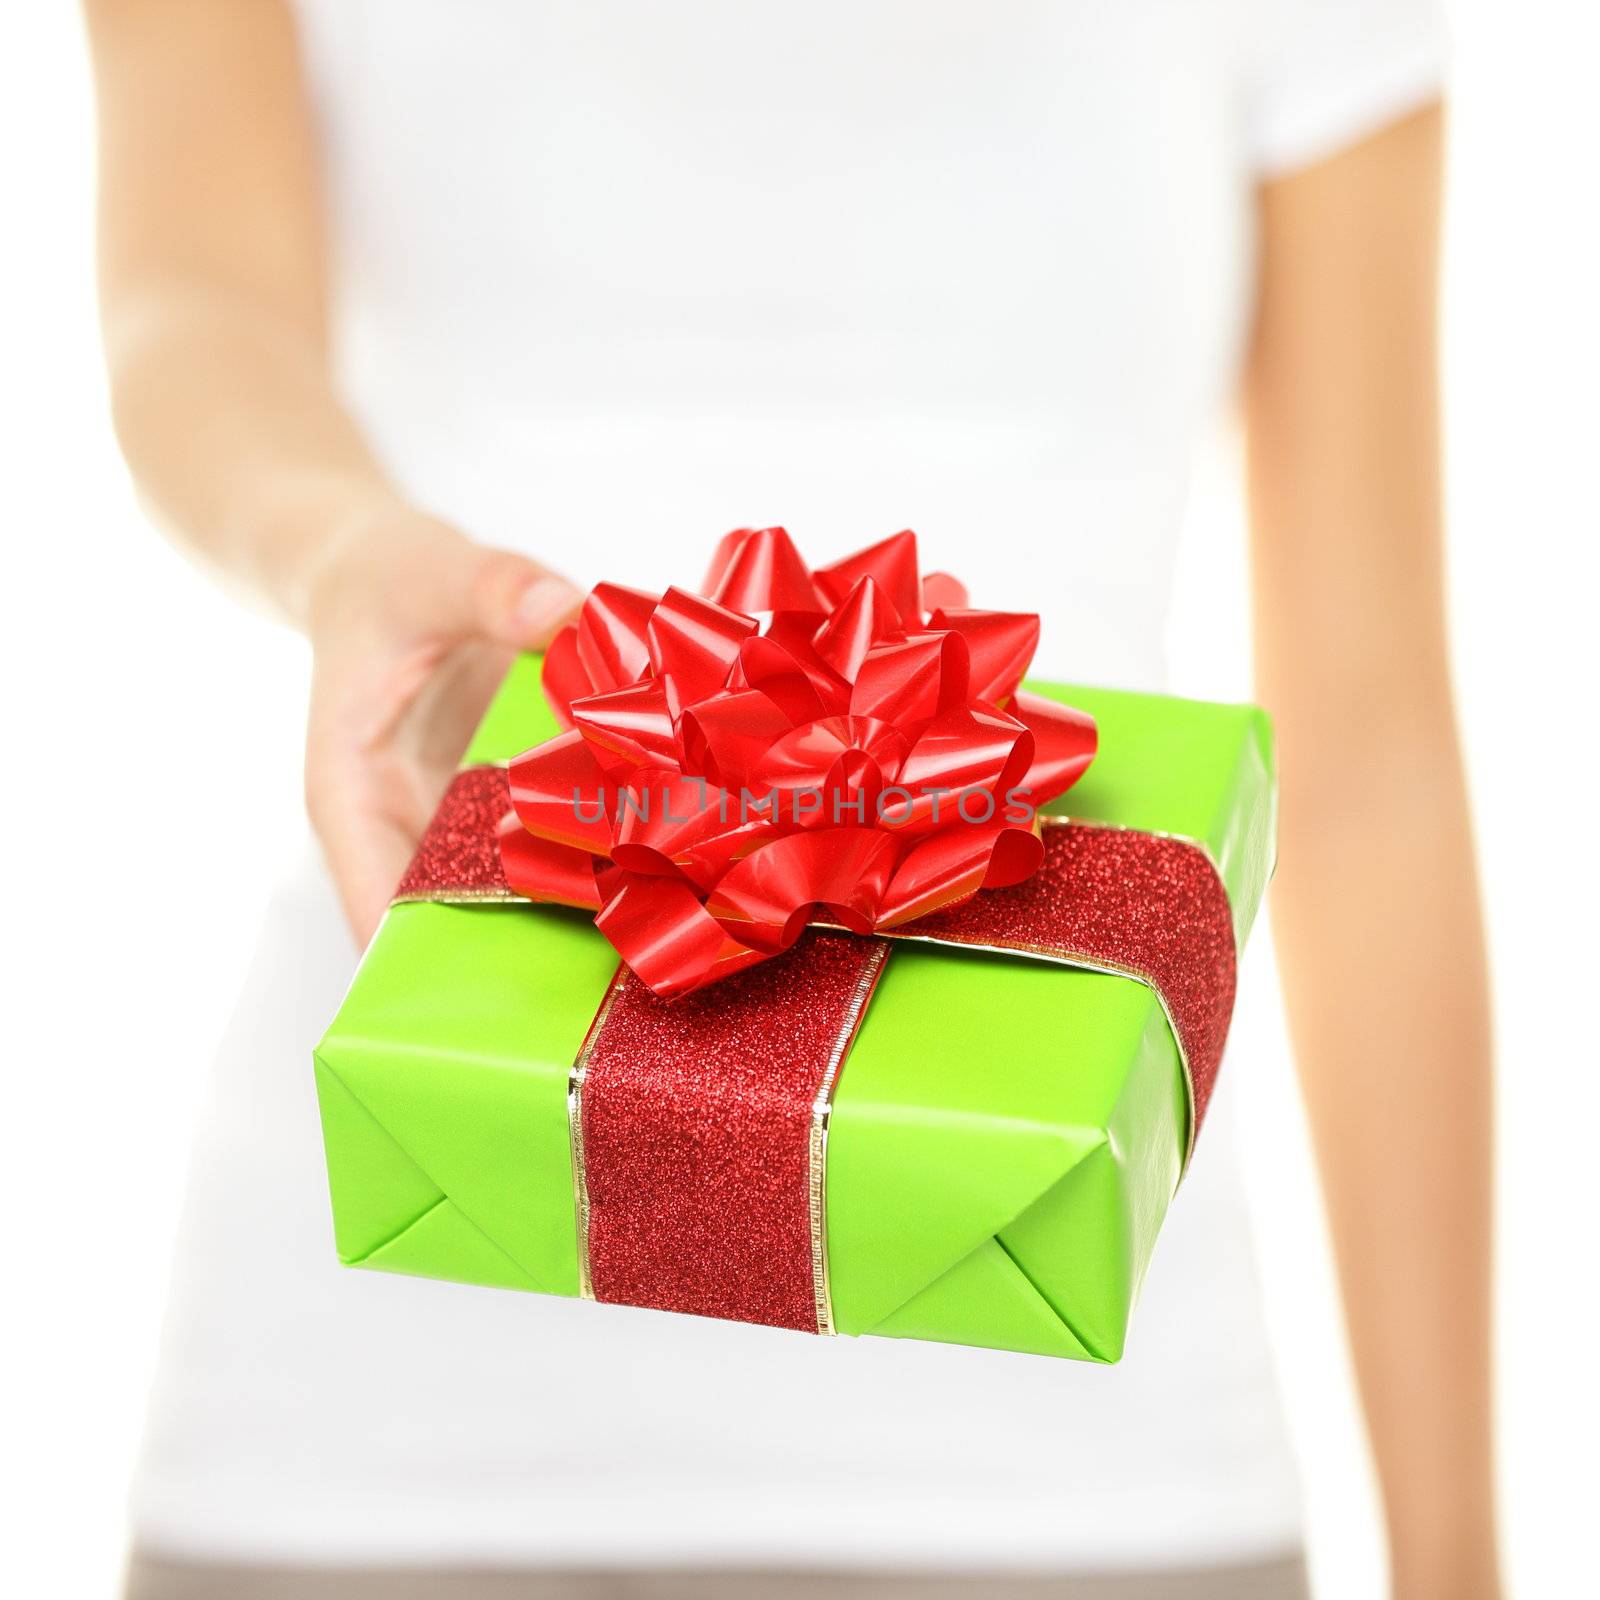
(394, 290)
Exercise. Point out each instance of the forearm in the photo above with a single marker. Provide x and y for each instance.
(1376, 904)
(213, 293)
(1378, 928)
(236, 439)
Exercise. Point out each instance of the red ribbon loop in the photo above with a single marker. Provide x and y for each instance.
(847, 746)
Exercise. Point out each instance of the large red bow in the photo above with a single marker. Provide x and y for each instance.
(863, 757)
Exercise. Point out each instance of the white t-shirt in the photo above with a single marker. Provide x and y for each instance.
(618, 276)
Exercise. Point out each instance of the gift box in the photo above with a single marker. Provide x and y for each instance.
(961, 1118)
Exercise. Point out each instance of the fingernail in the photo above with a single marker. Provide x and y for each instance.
(544, 603)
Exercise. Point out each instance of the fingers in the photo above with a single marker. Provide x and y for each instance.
(440, 722)
(401, 675)
(517, 602)
(365, 816)
(367, 856)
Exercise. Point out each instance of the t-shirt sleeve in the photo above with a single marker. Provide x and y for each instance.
(1326, 73)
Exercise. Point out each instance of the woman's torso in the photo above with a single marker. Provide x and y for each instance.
(613, 278)
(618, 276)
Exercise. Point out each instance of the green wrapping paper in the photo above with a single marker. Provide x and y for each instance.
(1006, 1134)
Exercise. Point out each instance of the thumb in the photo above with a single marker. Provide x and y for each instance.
(517, 602)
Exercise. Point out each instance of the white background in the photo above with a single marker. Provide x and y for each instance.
(152, 792)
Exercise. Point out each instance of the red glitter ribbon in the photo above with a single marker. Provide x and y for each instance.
(697, 1131)
(697, 1121)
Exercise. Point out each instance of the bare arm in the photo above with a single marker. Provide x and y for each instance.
(1376, 902)
(214, 304)
(213, 292)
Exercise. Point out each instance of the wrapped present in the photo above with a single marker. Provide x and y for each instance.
(778, 956)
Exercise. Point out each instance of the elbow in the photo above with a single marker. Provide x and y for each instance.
(168, 352)
(129, 410)
(132, 333)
